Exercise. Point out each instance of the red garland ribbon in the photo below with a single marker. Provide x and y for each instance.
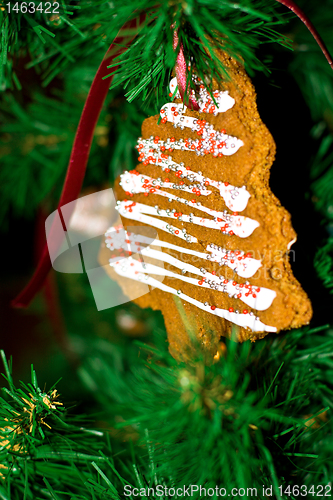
(80, 152)
(299, 13)
(90, 114)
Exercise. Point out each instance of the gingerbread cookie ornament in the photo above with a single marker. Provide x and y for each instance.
(221, 267)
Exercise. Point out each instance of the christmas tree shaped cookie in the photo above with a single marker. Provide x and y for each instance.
(223, 237)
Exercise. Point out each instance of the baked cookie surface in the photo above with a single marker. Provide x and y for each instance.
(220, 264)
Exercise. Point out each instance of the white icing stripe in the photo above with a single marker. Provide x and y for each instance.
(126, 268)
(244, 266)
(212, 141)
(153, 221)
(150, 153)
(136, 184)
(240, 262)
(228, 224)
(257, 298)
(290, 244)
(222, 98)
(173, 85)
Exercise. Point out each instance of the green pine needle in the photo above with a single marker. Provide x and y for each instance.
(245, 416)
(42, 444)
(203, 28)
(324, 264)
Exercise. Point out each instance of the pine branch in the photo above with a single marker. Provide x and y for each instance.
(253, 414)
(324, 264)
(47, 453)
(203, 27)
(24, 33)
(39, 143)
(322, 173)
(311, 71)
(44, 448)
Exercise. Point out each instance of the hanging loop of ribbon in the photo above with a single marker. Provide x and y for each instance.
(300, 14)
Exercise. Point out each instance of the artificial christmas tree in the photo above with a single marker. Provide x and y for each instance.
(257, 415)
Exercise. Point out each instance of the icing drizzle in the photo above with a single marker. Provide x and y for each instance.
(228, 224)
(242, 264)
(256, 297)
(126, 268)
(206, 105)
(152, 151)
(212, 141)
(155, 151)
